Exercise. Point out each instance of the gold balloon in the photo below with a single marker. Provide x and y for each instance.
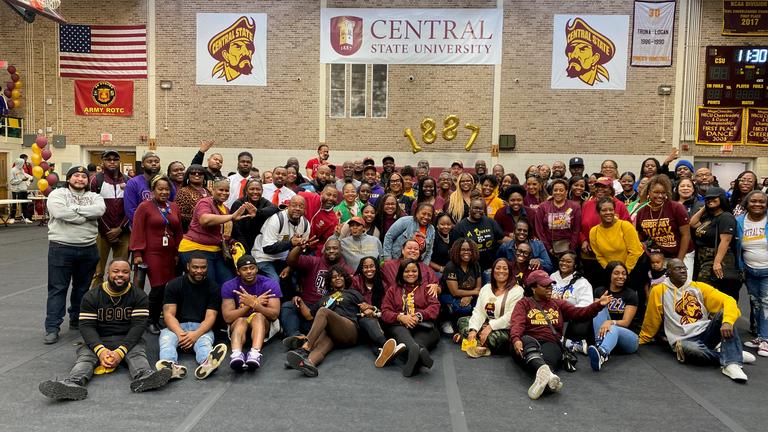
(36, 159)
(16, 103)
(42, 184)
(451, 124)
(17, 85)
(37, 172)
(428, 134)
(36, 149)
(415, 147)
(471, 141)
(15, 94)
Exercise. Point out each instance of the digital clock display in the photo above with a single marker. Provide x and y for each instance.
(736, 76)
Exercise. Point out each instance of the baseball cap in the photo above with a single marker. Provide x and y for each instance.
(149, 154)
(539, 277)
(714, 192)
(368, 161)
(110, 152)
(357, 220)
(386, 158)
(76, 169)
(245, 260)
(457, 162)
(605, 181)
(576, 161)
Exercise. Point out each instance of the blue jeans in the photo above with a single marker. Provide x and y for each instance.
(271, 269)
(169, 343)
(757, 287)
(623, 338)
(291, 320)
(218, 270)
(701, 348)
(68, 264)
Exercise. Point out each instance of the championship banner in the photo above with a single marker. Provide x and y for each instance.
(652, 33)
(103, 98)
(411, 36)
(719, 126)
(589, 52)
(231, 49)
(745, 18)
(757, 127)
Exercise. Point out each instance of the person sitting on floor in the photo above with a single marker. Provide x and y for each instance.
(113, 319)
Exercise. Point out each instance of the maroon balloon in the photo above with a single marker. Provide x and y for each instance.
(10, 85)
(15, 77)
(46, 154)
(48, 191)
(11, 104)
(41, 141)
(7, 93)
(11, 69)
(44, 165)
(51, 179)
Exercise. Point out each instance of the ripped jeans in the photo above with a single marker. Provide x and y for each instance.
(757, 287)
(169, 343)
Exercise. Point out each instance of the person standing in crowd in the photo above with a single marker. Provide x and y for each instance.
(610, 169)
(276, 192)
(441, 250)
(461, 281)
(576, 167)
(507, 181)
(369, 177)
(427, 193)
(387, 169)
(137, 188)
(445, 187)
(348, 176)
(72, 251)
(628, 193)
(418, 227)
(291, 178)
(238, 180)
(281, 232)
(368, 215)
(685, 194)
(396, 186)
(571, 285)
(323, 220)
(410, 311)
(190, 306)
(323, 153)
(110, 335)
(211, 230)
(613, 325)
(334, 323)
(215, 160)
(154, 243)
(714, 227)
(481, 169)
(590, 217)
(408, 179)
(514, 211)
(489, 322)
(684, 169)
(613, 240)
(388, 211)
(294, 162)
(536, 192)
(349, 206)
(746, 182)
(250, 306)
(536, 326)
(704, 181)
(577, 190)
(192, 191)
(558, 171)
(19, 182)
(651, 166)
(323, 177)
(498, 172)
(489, 190)
(664, 224)
(696, 318)
(245, 230)
(558, 222)
(481, 229)
(175, 172)
(114, 235)
(358, 244)
(458, 204)
(752, 256)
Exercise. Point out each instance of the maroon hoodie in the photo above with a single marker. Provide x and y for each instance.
(112, 190)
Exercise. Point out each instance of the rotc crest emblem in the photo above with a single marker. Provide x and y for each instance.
(346, 34)
(104, 93)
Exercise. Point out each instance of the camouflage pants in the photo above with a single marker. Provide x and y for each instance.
(497, 341)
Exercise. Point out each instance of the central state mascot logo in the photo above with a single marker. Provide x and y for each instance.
(233, 47)
(346, 34)
(588, 51)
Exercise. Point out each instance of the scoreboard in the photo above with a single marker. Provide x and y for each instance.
(736, 76)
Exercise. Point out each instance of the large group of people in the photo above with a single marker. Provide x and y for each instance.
(542, 269)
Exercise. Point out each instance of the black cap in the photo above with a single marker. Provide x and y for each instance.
(386, 158)
(76, 169)
(110, 152)
(714, 192)
(368, 161)
(576, 161)
(245, 260)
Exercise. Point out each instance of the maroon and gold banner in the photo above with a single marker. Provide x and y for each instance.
(103, 98)
(757, 127)
(745, 17)
(719, 126)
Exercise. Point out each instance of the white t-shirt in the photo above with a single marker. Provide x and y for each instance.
(754, 244)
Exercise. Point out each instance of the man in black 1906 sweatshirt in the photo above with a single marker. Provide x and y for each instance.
(113, 318)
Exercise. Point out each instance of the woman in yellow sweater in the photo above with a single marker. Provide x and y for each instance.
(614, 239)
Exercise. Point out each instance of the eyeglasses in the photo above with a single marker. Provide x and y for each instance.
(522, 253)
(197, 173)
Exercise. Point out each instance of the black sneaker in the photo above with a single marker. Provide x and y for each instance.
(153, 329)
(294, 342)
(297, 360)
(51, 338)
(63, 390)
(151, 380)
(425, 358)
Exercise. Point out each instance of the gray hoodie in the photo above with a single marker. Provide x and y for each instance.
(19, 180)
(74, 216)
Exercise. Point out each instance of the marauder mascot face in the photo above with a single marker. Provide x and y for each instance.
(587, 51)
(233, 47)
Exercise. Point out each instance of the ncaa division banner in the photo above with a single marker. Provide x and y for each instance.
(589, 52)
(231, 49)
(411, 36)
(103, 98)
(652, 33)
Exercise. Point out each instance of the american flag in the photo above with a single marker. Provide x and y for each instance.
(103, 51)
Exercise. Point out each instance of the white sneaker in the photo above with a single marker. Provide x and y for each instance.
(177, 371)
(748, 357)
(27, 221)
(554, 383)
(762, 351)
(754, 343)
(734, 372)
(543, 375)
(446, 328)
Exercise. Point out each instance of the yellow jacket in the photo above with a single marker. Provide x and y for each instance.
(492, 204)
(617, 243)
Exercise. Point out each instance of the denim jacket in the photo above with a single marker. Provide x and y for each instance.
(403, 229)
(538, 251)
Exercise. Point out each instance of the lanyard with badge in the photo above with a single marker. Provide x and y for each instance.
(164, 213)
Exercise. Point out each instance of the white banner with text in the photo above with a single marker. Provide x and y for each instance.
(652, 33)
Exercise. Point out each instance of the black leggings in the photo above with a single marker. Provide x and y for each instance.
(156, 295)
(578, 330)
(420, 335)
(538, 353)
(371, 326)
(329, 330)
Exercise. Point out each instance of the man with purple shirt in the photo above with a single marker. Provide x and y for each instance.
(250, 302)
(137, 188)
(369, 176)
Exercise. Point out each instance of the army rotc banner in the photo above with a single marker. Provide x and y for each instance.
(757, 127)
(719, 126)
(652, 33)
(231, 49)
(589, 52)
(411, 36)
(103, 98)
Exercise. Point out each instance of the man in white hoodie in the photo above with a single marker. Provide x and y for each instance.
(19, 182)
(72, 252)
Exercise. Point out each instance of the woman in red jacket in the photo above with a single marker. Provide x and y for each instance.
(537, 343)
(155, 238)
(410, 313)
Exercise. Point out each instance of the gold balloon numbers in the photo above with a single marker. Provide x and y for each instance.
(449, 133)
